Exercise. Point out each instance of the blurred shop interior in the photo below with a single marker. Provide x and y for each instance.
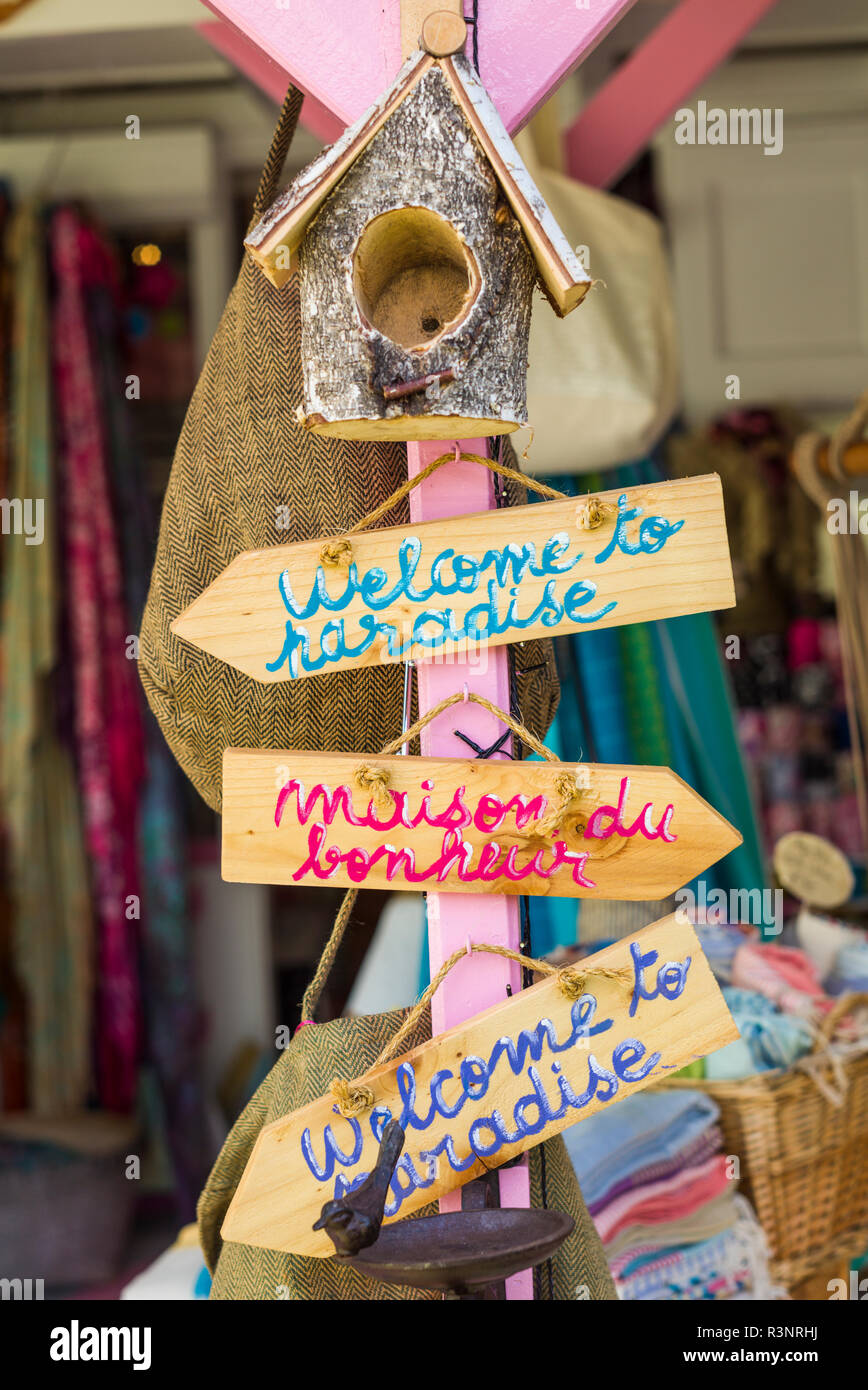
(735, 320)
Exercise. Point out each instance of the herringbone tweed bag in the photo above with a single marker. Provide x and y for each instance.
(347, 1047)
(245, 475)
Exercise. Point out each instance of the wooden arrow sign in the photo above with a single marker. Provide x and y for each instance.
(444, 589)
(459, 826)
(491, 1088)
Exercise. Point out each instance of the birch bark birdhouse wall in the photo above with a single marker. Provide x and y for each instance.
(418, 238)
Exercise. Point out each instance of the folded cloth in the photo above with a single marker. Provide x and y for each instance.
(783, 974)
(709, 1142)
(667, 1200)
(733, 1264)
(640, 1130)
(713, 1269)
(748, 1001)
(636, 1244)
(769, 1039)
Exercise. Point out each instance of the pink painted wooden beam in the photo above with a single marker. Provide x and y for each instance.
(480, 981)
(344, 53)
(454, 490)
(624, 114)
(271, 76)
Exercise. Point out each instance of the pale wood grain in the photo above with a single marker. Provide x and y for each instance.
(413, 16)
(241, 619)
(813, 869)
(444, 33)
(408, 428)
(256, 850)
(278, 1198)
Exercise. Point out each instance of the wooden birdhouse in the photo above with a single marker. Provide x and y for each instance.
(418, 238)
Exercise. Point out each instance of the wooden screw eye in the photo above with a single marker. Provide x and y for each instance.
(443, 32)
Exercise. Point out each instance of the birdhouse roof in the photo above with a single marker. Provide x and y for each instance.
(284, 224)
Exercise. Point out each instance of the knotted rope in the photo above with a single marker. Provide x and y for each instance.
(567, 788)
(593, 513)
(375, 782)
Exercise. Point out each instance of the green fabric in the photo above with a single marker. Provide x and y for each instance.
(700, 685)
(646, 713)
(347, 1048)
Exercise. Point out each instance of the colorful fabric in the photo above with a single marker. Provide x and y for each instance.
(713, 1269)
(783, 974)
(719, 944)
(646, 711)
(616, 1142)
(655, 693)
(172, 1026)
(823, 938)
(47, 869)
(107, 728)
(707, 1220)
(851, 970)
(670, 1199)
(733, 1264)
(692, 1154)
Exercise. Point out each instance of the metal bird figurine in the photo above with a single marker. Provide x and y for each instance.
(354, 1221)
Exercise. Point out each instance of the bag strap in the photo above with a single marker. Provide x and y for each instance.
(280, 143)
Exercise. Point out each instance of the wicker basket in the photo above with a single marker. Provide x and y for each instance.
(803, 1158)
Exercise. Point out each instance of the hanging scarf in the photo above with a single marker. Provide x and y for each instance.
(172, 1027)
(107, 726)
(47, 868)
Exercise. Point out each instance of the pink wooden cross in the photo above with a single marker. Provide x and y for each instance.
(665, 70)
(343, 56)
(344, 53)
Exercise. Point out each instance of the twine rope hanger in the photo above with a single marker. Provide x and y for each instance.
(338, 553)
(355, 1098)
(375, 781)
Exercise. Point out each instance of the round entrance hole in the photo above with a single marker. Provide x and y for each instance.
(414, 278)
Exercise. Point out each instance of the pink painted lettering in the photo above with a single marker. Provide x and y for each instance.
(596, 830)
